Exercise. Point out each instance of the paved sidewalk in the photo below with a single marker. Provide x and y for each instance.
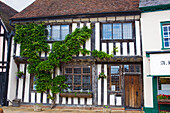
(48, 110)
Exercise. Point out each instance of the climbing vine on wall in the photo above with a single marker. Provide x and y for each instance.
(32, 38)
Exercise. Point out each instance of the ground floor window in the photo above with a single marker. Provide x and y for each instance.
(115, 78)
(33, 82)
(164, 85)
(78, 77)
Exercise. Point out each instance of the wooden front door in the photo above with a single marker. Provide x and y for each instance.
(132, 91)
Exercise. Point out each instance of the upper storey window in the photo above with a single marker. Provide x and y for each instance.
(166, 36)
(57, 32)
(117, 31)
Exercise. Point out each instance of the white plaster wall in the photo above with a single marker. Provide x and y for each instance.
(12, 78)
(1, 43)
(105, 85)
(151, 29)
(97, 36)
(99, 84)
(151, 41)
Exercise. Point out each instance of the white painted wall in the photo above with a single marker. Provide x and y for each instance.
(152, 41)
(12, 77)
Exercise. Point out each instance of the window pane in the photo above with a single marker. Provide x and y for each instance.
(34, 83)
(86, 70)
(165, 28)
(49, 32)
(166, 42)
(164, 85)
(77, 82)
(77, 70)
(107, 31)
(126, 68)
(114, 69)
(117, 31)
(56, 32)
(69, 80)
(132, 68)
(64, 31)
(165, 34)
(127, 30)
(86, 82)
(68, 70)
(137, 68)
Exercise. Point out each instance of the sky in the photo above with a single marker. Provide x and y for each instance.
(18, 5)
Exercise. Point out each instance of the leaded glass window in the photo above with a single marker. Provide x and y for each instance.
(78, 77)
(132, 68)
(115, 79)
(117, 31)
(57, 32)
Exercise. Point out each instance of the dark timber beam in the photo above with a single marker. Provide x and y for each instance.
(4, 101)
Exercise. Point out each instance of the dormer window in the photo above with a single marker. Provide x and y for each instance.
(57, 32)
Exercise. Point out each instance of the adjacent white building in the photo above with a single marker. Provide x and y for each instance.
(155, 25)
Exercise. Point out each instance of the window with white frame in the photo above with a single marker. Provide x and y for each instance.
(166, 36)
(57, 32)
(117, 31)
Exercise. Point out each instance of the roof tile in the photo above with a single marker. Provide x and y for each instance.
(44, 8)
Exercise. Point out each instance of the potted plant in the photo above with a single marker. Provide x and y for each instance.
(16, 102)
(20, 74)
(107, 109)
(101, 75)
(38, 107)
(163, 98)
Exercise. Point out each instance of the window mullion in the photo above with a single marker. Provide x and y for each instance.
(81, 77)
(112, 31)
(72, 78)
(60, 33)
(122, 30)
(51, 32)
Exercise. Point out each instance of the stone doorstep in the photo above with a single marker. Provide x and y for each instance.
(77, 108)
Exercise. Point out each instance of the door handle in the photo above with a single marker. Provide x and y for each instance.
(136, 93)
(132, 80)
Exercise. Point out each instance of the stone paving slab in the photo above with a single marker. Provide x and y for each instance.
(47, 110)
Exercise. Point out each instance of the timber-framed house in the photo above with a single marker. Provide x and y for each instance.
(115, 24)
(5, 45)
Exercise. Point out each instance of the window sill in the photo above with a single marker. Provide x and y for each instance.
(117, 40)
(80, 95)
(51, 41)
(165, 48)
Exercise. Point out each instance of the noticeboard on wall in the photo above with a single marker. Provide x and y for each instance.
(160, 64)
